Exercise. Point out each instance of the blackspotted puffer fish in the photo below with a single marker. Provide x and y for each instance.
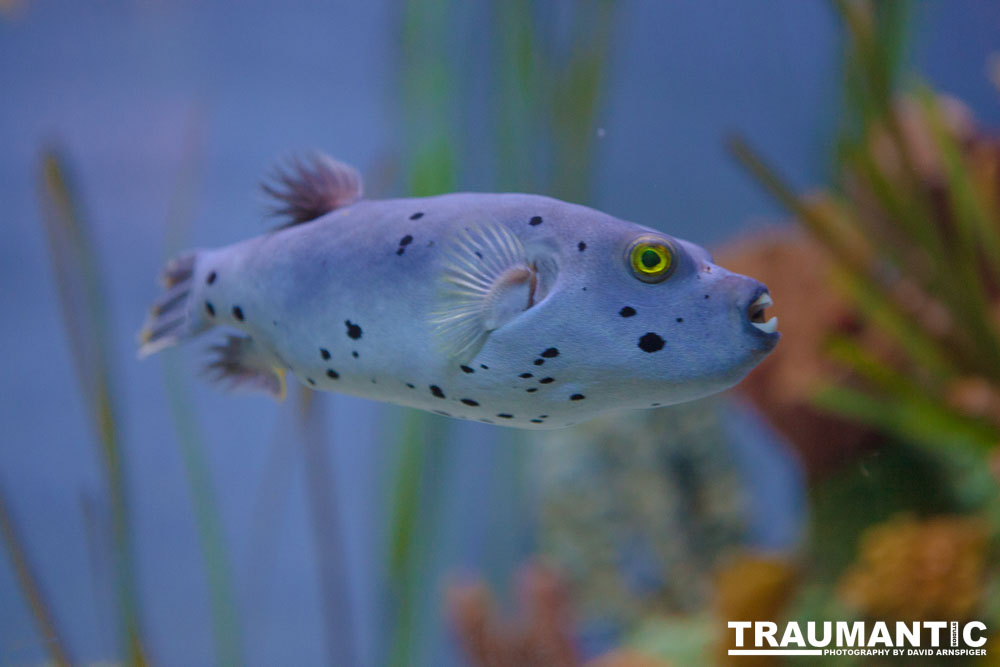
(510, 309)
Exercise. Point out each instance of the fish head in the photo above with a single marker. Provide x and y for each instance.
(653, 320)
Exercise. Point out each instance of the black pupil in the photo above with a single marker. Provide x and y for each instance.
(650, 258)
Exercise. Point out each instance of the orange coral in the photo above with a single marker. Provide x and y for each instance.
(540, 636)
(752, 587)
(915, 570)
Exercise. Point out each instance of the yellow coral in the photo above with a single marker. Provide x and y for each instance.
(914, 570)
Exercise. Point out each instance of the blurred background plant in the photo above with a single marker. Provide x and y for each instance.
(891, 310)
(628, 541)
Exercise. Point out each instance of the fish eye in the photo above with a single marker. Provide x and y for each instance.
(651, 259)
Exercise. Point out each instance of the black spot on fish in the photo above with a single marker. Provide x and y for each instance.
(211, 278)
(484, 367)
(582, 246)
(531, 390)
(332, 374)
(627, 311)
(546, 381)
(539, 362)
(403, 242)
(210, 309)
(470, 402)
(535, 221)
(526, 375)
(504, 415)
(416, 216)
(354, 354)
(655, 405)
(543, 416)
(436, 390)
(311, 381)
(650, 342)
(478, 254)
(680, 319)
(325, 353)
(353, 330)
(584, 289)
(706, 296)
(577, 397)
(373, 381)
(238, 313)
(550, 353)
(411, 385)
(466, 369)
(537, 421)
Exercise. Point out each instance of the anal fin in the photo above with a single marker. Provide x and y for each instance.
(243, 364)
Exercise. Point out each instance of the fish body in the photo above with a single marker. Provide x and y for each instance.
(512, 309)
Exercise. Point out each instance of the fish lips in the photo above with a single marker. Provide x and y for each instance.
(762, 329)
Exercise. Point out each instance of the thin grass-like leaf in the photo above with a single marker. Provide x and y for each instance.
(429, 90)
(921, 348)
(979, 235)
(521, 77)
(809, 216)
(855, 273)
(913, 397)
(912, 420)
(190, 440)
(52, 639)
(81, 296)
(225, 616)
(327, 528)
(404, 546)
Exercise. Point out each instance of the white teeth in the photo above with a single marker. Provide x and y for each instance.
(763, 300)
(767, 327)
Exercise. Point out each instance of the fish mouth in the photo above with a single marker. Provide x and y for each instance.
(756, 313)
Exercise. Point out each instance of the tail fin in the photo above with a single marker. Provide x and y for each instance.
(170, 319)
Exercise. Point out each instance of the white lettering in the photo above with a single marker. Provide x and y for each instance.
(827, 633)
(854, 637)
(880, 635)
(792, 634)
(911, 633)
(739, 626)
(935, 627)
(766, 630)
(967, 635)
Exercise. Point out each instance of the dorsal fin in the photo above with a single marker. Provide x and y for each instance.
(307, 189)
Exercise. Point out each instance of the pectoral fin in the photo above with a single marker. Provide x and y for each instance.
(244, 365)
(487, 281)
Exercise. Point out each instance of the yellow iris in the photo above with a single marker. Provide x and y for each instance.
(651, 260)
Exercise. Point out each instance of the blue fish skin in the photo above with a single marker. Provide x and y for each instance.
(347, 303)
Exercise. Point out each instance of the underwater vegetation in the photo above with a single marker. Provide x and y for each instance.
(912, 230)
(81, 298)
(896, 376)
